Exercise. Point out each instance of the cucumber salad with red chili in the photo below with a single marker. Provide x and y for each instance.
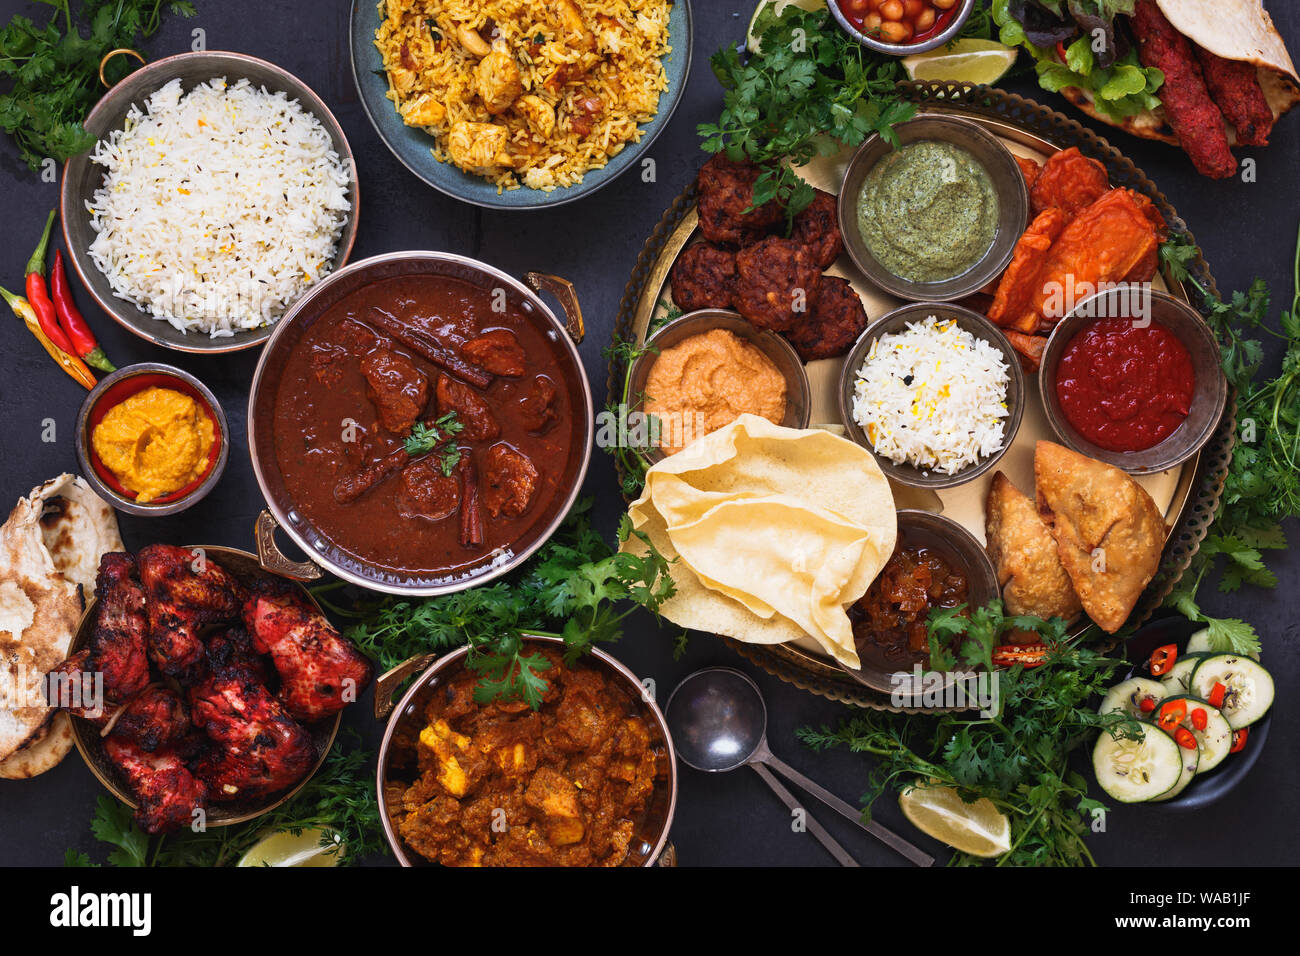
(1196, 709)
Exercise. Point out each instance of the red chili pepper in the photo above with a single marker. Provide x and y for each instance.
(38, 295)
(1239, 740)
(1060, 50)
(1200, 719)
(1163, 659)
(1028, 655)
(1183, 737)
(70, 318)
(1147, 704)
(1217, 693)
(1172, 713)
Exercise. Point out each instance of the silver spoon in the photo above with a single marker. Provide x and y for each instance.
(719, 722)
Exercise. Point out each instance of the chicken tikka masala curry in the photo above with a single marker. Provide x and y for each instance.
(500, 784)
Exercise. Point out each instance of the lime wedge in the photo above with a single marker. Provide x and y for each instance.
(978, 828)
(769, 11)
(285, 849)
(965, 61)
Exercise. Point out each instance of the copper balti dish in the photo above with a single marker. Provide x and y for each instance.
(443, 303)
(89, 741)
(397, 758)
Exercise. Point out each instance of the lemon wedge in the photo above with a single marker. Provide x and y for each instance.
(285, 849)
(978, 828)
(773, 9)
(965, 61)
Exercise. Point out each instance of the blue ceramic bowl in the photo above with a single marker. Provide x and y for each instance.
(413, 147)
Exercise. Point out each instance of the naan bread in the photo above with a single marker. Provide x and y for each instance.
(49, 550)
(774, 531)
(1024, 552)
(43, 754)
(1109, 533)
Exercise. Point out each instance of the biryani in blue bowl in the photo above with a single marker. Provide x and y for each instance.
(520, 104)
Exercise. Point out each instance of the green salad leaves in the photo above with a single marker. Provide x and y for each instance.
(1119, 90)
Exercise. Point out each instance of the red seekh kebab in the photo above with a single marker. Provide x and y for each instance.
(1235, 88)
(1191, 112)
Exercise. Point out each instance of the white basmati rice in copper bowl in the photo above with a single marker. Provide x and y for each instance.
(933, 396)
(219, 206)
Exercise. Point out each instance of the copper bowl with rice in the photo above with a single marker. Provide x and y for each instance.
(82, 177)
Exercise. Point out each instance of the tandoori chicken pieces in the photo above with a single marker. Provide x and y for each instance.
(320, 671)
(213, 719)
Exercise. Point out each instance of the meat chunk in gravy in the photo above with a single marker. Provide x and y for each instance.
(509, 481)
(497, 351)
(397, 387)
(537, 407)
(470, 408)
(427, 493)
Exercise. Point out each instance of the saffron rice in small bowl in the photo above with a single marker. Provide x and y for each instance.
(935, 392)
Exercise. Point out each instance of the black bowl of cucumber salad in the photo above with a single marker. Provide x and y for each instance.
(1205, 719)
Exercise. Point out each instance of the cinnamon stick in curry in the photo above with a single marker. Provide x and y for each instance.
(435, 352)
(471, 517)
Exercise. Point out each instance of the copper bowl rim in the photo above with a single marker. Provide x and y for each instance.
(631, 683)
(488, 572)
(1191, 329)
(84, 732)
(127, 314)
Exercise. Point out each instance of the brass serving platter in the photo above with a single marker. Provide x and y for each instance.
(1194, 497)
(90, 745)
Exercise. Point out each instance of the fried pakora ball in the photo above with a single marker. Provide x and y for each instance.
(833, 324)
(726, 190)
(818, 229)
(776, 281)
(704, 277)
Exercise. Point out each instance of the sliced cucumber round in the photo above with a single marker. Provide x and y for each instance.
(1249, 688)
(1199, 643)
(1128, 696)
(1134, 771)
(1191, 757)
(1179, 678)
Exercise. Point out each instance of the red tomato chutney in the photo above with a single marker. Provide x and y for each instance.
(1124, 387)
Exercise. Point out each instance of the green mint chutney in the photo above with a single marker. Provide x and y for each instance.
(928, 211)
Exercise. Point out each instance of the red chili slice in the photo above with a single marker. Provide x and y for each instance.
(1217, 693)
(1163, 659)
(1172, 713)
(1184, 738)
(1147, 704)
(1239, 740)
(1200, 718)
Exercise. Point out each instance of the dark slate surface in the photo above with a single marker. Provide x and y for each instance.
(1245, 229)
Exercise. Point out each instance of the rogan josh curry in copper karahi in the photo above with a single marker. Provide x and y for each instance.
(423, 426)
(500, 784)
